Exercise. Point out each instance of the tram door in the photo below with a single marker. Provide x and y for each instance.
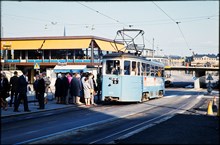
(111, 83)
(131, 82)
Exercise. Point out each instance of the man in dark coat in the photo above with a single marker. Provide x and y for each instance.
(58, 88)
(41, 91)
(22, 91)
(65, 84)
(13, 83)
(4, 89)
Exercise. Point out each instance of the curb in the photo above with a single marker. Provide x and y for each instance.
(41, 113)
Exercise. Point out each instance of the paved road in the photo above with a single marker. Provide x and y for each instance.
(102, 124)
(191, 127)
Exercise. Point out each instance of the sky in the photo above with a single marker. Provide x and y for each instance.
(177, 27)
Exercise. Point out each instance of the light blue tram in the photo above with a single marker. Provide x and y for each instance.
(131, 78)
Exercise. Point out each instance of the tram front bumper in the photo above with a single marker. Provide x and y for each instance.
(110, 98)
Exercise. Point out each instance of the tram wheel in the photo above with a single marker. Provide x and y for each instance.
(145, 97)
(160, 94)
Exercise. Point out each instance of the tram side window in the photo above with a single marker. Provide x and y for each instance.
(156, 71)
(152, 70)
(162, 72)
(159, 71)
(134, 68)
(113, 67)
(138, 66)
(143, 69)
(126, 67)
(148, 69)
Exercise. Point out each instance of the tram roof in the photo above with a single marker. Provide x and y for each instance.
(59, 42)
(130, 55)
(125, 55)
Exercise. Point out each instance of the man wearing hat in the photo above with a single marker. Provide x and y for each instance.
(13, 85)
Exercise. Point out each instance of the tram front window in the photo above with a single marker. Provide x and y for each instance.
(113, 67)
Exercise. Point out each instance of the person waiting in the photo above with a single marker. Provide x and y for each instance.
(13, 84)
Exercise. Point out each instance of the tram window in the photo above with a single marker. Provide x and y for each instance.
(156, 71)
(148, 69)
(152, 70)
(162, 72)
(138, 70)
(134, 68)
(113, 67)
(126, 67)
(159, 72)
(143, 69)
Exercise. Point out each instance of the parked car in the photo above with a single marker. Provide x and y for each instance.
(168, 83)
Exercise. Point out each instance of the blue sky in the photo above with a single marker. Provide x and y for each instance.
(199, 22)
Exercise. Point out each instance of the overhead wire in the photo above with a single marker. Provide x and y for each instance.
(102, 14)
(105, 15)
(175, 23)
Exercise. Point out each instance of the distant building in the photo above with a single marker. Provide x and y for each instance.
(175, 60)
(205, 60)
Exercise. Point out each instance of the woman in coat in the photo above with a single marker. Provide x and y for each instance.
(87, 90)
(75, 88)
(58, 88)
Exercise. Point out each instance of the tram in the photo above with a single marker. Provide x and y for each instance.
(128, 77)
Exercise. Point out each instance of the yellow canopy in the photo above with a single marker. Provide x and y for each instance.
(109, 46)
(46, 43)
(21, 45)
(66, 44)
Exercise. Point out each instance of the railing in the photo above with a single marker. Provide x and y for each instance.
(51, 60)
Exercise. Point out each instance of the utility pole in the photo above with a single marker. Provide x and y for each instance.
(64, 32)
(2, 32)
(153, 47)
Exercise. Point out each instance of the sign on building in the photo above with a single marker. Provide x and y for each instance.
(209, 77)
(36, 66)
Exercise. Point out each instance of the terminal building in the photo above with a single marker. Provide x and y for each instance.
(47, 53)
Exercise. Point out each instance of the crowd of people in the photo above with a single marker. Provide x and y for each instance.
(74, 88)
(18, 87)
(80, 88)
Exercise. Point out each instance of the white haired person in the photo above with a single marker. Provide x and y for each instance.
(47, 84)
(92, 89)
(86, 89)
(58, 88)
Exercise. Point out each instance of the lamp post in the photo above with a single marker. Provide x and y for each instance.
(99, 61)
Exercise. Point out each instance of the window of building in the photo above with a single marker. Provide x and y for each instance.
(16, 54)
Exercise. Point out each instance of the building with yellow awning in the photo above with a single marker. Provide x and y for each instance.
(45, 50)
(23, 52)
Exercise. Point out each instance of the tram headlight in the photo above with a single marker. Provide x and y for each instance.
(115, 80)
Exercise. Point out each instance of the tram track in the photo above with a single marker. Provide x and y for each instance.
(102, 124)
(143, 125)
